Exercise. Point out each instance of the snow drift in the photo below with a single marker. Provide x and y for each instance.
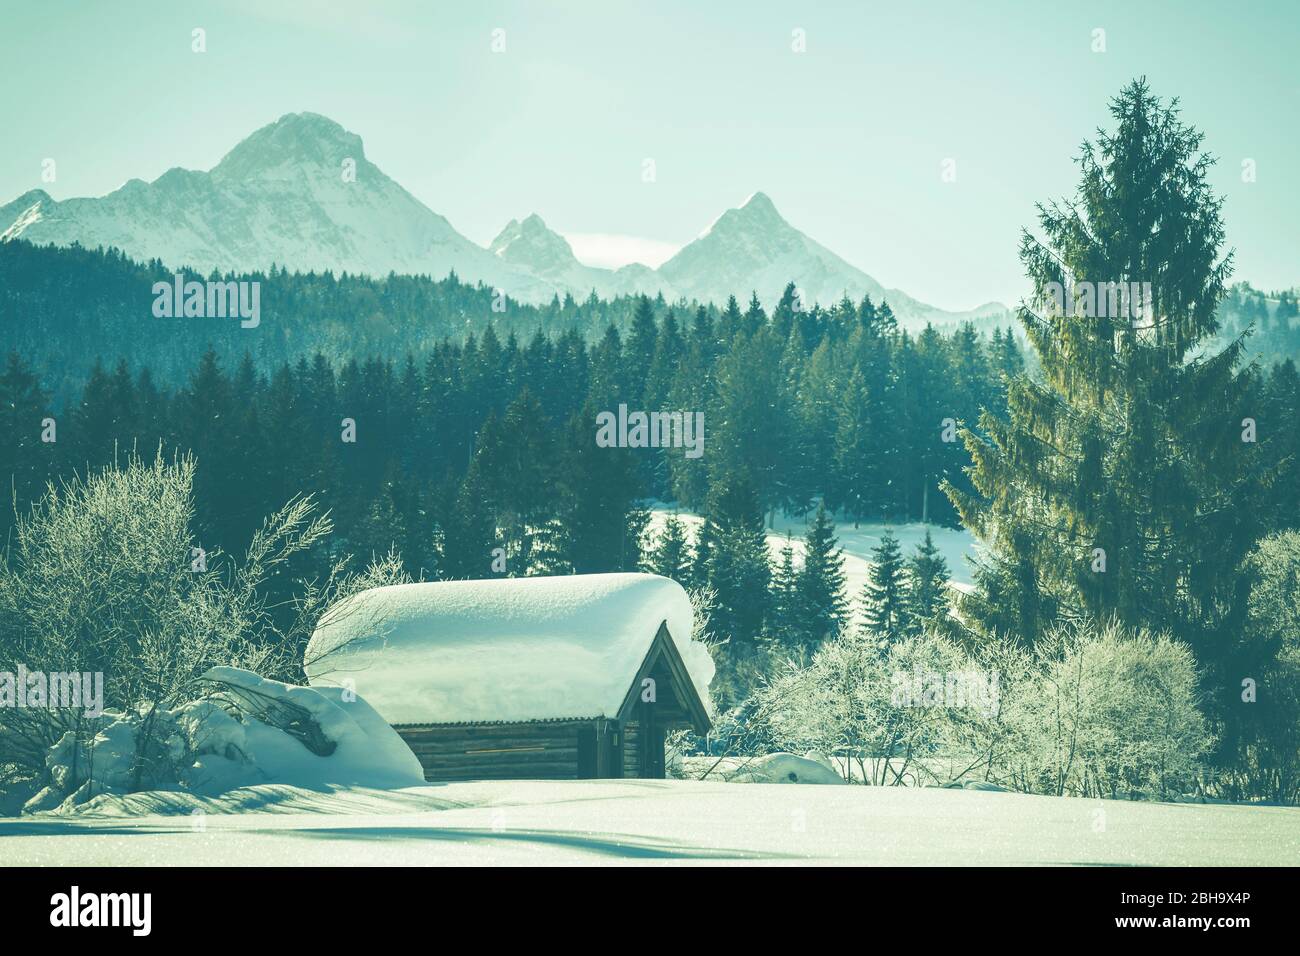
(777, 767)
(787, 768)
(511, 649)
(250, 731)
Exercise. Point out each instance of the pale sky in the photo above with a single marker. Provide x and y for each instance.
(847, 138)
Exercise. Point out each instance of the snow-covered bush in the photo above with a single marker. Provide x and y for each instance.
(104, 576)
(981, 739)
(854, 699)
(1109, 713)
(1098, 711)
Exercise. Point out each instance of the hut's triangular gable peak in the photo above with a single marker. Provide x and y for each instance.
(664, 650)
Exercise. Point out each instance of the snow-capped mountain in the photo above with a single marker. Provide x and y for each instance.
(752, 248)
(285, 195)
(300, 193)
(531, 245)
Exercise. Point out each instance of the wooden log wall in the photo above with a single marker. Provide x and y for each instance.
(543, 750)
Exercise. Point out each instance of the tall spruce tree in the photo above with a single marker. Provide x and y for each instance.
(819, 583)
(784, 621)
(752, 434)
(518, 460)
(854, 476)
(468, 539)
(600, 487)
(639, 354)
(927, 589)
(1119, 484)
(738, 568)
(884, 599)
(670, 553)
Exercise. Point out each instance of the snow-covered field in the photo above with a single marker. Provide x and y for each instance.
(956, 545)
(649, 822)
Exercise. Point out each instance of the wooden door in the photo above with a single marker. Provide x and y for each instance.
(588, 753)
(652, 743)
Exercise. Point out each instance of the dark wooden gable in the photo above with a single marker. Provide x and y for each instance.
(663, 659)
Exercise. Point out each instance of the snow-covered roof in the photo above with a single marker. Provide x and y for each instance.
(503, 650)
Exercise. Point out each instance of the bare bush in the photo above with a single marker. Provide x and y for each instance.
(102, 577)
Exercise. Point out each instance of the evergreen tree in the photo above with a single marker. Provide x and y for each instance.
(519, 465)
(1280, 400)
(854, 475)
(755, 318)
(600, 487)
(670, 555)
(885, 319)
(738, 568)
(667, 362)
(640, 351)
(783, 316)
(867, 315)
(1119, 484)
(731, 320)
(702, 555)
(469, 535)
(751, 437)
(927, 591)
(797, 480)
(885, 597)
(1006, 359)
(818, 402)
(819, 584)
(94, 419)
(609, 384)
(381, 529)
(785, 619)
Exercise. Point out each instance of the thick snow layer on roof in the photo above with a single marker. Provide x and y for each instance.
(502, 650)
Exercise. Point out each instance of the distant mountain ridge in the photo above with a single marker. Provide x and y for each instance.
(300, 193)
(281, 197)
(753, 247)
(532, 246)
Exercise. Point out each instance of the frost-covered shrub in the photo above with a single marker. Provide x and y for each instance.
(884, 708)
(104, 576)
(978, 740)
(821, 705)
(1109, 713)
(735, 732)
(1098, 712)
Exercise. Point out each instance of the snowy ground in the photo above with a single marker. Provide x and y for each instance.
(652, 822)
(955, 545)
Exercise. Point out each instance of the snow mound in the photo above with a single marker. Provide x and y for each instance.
(816, 756)
(363, 749)
(786, 768)
(511, 649)
(250, 731)
(977, 785)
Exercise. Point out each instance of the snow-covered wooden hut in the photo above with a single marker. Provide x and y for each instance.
(548, 677)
